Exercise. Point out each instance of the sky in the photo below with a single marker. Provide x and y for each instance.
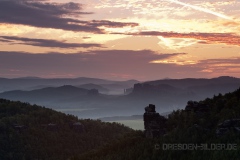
(120, 39)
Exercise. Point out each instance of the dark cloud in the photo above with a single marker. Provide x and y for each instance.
(111, 24)
(230, 62)
(111, 64)
(40, 13)
(45, 42)
(228, 67)
(92, 64)
(203, 42)
(5, 41)
(86, 37)
(206, 38)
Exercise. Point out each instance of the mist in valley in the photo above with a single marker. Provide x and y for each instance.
(98, 98)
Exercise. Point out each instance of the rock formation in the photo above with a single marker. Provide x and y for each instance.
(154, 123)
(228, 125)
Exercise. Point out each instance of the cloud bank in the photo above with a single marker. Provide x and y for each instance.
(205, 38)
(44, 14)
(46, 42)
(96, 63)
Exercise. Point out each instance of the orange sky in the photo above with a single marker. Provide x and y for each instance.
(120, 39)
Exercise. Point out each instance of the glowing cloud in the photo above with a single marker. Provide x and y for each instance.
(174, 61)
(176, 43)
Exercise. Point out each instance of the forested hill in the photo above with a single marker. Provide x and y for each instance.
(213, 124)
(33, 132)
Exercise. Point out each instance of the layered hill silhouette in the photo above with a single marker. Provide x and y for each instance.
(34, 132)
(31, 83)
(167, 94)
(90, 86)
(46, 94)
(180, 89)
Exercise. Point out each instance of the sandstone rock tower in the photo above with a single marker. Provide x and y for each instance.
(154, 123)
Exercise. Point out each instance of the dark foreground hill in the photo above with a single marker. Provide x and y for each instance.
(30, 132)
(208, 129)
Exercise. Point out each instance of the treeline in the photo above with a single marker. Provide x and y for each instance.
(33, 132)
(184, 127)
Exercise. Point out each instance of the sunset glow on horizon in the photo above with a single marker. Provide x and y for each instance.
(120, 39)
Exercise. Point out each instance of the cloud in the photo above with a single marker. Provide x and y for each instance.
(204, 38)
(45, 42)
(201, 9)
(96, 63)
(230, 66)
(44, 14)
(113, 64)
(212, 67)
(230, 62)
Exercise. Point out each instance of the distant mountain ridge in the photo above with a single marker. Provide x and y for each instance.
(186, 88)
(45, 94)
(90, 86)
(188, 82)
(29, 83)
(167, 95)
